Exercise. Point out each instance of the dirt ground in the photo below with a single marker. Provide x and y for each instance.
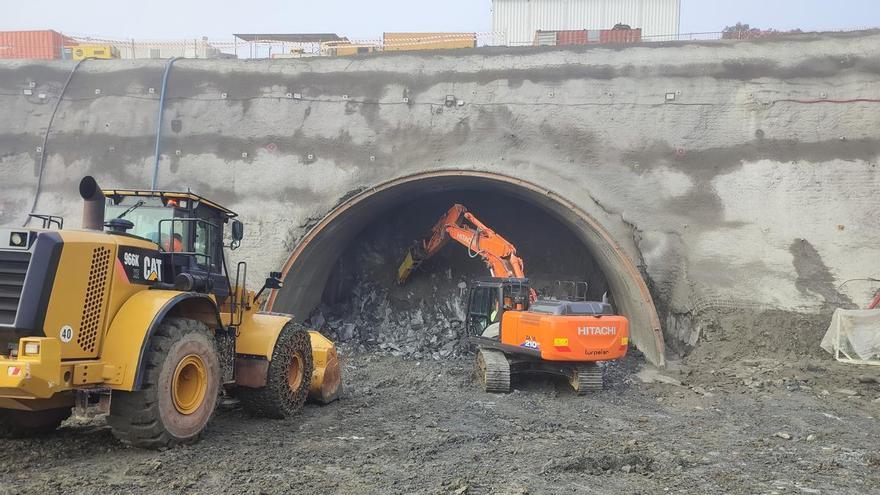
(707, 424)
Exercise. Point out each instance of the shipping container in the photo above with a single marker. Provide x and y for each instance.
(346, 49)
(564, 38)
(94, 51)
(587, 37)
(33, 44)
(621, 36)
(545, 38)
(428, 41)
(516, 21)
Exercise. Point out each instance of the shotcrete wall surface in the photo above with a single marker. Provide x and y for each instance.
(719, 174)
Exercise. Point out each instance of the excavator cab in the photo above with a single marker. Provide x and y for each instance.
(490, 297)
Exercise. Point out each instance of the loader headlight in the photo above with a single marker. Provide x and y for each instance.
(32, 349)
(18, 239)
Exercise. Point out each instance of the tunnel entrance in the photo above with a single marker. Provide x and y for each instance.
(341, 275)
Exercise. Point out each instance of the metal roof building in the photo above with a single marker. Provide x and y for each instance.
(289, 37)
(518, 20)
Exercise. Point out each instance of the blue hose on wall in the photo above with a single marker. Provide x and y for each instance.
(43, 151)
(159, 124)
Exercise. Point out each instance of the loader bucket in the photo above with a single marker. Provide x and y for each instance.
(326, 383)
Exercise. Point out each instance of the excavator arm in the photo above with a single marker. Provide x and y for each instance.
(459, 225)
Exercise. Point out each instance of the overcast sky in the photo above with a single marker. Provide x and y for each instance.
(164, 19)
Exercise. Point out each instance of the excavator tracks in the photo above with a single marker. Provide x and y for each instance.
(493, 371)
(588, 378)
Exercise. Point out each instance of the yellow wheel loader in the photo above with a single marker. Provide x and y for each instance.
(141, 304)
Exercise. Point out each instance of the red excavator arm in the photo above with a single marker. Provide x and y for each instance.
(460, 225)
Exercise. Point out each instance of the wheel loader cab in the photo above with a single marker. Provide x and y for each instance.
(188, 231)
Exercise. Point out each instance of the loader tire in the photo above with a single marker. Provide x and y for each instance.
(179, 390)
(289, 377)
(22, 424)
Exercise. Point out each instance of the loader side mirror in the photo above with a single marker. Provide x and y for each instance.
(237, 234)
(237, 230)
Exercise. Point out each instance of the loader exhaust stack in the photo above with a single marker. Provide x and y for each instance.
(93, 203)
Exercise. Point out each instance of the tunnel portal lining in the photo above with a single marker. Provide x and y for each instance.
(311, 262)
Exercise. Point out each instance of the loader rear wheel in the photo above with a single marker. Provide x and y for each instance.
(20, 424)
(588, 378)
(179, 390)
(493, 371)
(289, 376)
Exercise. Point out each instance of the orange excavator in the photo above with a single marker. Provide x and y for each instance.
(514, 330)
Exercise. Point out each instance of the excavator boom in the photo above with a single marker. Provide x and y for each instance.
(459, 225)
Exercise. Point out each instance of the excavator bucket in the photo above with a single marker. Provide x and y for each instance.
(327, 376)
(406, 267)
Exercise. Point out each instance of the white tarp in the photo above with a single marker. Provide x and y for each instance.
(854, 335)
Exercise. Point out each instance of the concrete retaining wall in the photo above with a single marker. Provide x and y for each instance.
(733, 173)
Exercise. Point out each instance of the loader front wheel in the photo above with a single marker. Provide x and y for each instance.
(179, 389)
(288, 379)
(21, 424)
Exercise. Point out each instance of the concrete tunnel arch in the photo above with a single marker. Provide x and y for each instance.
(307, 269)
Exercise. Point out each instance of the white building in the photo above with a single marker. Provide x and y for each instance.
(194, 48)
(516, 21)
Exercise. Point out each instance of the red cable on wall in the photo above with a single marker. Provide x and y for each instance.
(876, 302)
(810, 102)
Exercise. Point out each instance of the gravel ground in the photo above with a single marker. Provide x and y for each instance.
(406, 426)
